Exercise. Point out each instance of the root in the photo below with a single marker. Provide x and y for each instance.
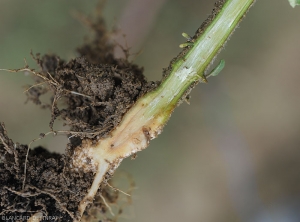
(41, 83)
(26, 157)
(116, 189)
(62, 206)
(38, 192)
(103, 168)
(106, 204)
(42, 135)
(26, 69)
(2, 141)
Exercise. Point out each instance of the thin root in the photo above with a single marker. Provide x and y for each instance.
(106, 204)
(34, 86)
(116, 189)
(26, 158)
(7, 148)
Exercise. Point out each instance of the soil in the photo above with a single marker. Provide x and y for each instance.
(90, 94)
(51, 186)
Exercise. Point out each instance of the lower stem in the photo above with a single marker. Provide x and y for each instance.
(145, 120)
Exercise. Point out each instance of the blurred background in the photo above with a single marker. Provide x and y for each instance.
(233, 154)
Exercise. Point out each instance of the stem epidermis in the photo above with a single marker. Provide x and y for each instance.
(145, 120)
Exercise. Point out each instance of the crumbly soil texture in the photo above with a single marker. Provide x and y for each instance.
(90, 94)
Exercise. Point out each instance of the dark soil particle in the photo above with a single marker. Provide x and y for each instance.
(96, 88)
(90, 94)
(51, 187)
(97, 95)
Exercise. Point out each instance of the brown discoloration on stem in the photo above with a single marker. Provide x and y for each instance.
(112, 112)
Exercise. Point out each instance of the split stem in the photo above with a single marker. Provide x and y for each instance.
(145, 120)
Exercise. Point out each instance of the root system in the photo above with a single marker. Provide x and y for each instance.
(90, 94)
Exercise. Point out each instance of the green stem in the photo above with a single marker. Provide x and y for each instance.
(145, 120)
(293, 3)
(190, 68)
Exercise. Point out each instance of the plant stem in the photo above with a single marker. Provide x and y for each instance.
(145, 120)
(191, 67)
